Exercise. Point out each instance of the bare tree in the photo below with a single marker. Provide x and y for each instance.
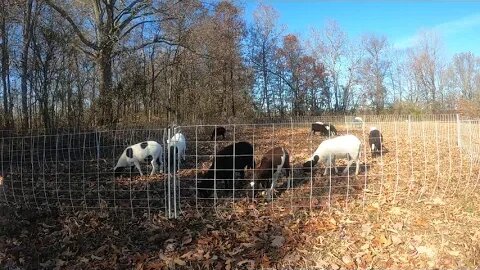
(466, 69)
(24, 73)
(114, 21)
(425, 62)
(329, 46)
(5, 64)
(264, 36)
(374, 69)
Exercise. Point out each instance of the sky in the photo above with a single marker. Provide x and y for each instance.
(456, 22)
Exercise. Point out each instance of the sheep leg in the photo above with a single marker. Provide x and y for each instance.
(329, 164)
(348, 166)
(358, 165)
(154, 166)
(137, 164)
(275, 177)
(332, 163)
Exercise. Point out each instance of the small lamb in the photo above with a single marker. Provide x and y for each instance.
(346, 146)
(133, 154)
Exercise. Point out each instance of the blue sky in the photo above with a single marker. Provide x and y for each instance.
(457, 22)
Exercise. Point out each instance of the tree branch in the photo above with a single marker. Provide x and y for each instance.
(141, 46)
(132, 17)
(126, 11)
(124, 34)
(77, 30)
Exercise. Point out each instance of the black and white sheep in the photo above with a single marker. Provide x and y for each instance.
(218, 131)
(346, 146)
(273, 163)
(318, 127)
(229, 161)
(140, 152)
(331, 128)
(375, 141)
(324, 129)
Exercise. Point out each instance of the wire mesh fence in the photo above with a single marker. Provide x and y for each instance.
(424, 157)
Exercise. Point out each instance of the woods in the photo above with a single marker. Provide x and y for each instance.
(106, 62)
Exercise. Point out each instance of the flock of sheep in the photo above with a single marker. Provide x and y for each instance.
(228, 165)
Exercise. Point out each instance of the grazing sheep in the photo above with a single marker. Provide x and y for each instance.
(346, 146)
(133, 154)
(271, 166)
(318, 127)
(358, 122)
(375, 141)
(331, 128)
(324, 129)
(231, 159)
(178, 141)
(218, 131)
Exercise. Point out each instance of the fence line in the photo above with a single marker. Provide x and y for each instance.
(429, 156)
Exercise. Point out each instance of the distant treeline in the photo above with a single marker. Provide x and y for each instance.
(80, 64)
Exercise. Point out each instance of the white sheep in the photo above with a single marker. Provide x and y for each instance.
(178, 141)
(357, 122)
(346, 146)
(133, 154)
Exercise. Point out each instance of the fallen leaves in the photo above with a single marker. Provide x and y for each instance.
(277, 241)
(429, 252)
(373, 233)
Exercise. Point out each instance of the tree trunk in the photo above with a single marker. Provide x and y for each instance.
(232, 87)
(104, 70)
(8, 116)
(24, 62)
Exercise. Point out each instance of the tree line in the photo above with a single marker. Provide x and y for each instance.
(107, 62)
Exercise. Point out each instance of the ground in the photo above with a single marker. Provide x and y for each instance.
(415, 207)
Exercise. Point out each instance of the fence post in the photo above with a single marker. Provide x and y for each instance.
(459, 139)
(409, 124)
(345, 121)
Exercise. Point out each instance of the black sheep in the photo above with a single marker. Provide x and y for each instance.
(375, 141)
(324, 129)
(225, 165)
(271, 165)
(220, 131)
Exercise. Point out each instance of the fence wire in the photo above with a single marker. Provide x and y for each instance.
(426, 157)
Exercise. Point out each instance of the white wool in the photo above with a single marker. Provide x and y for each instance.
(179, 141)
(358, 119)
(346, 146)
(373, 128)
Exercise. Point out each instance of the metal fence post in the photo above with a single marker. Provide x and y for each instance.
(459, 139)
